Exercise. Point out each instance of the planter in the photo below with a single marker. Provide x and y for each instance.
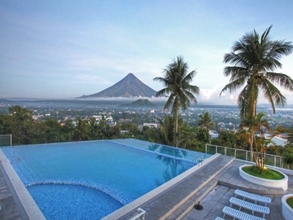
(283, 183)
(287, 211)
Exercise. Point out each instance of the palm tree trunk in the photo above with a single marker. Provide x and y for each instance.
(175, 127)
(253, 114)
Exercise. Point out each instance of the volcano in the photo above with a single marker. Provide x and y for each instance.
(129, 86)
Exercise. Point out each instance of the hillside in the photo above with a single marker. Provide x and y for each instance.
(140, 103)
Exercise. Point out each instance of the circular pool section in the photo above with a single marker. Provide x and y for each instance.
(64, 201)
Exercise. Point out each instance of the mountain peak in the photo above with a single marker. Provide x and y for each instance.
(129, 86)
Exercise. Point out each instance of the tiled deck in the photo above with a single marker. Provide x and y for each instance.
(213, 184)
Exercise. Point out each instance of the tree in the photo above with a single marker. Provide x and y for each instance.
(177, 83)
(20, 124)
(253, 59)
(252, 126)
(166, 130)
(81, 131)
(205, 121)
(226, 138)
(53, 130)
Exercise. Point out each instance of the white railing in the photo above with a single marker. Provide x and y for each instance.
(140, 215)
(269, 159)
(5, 140)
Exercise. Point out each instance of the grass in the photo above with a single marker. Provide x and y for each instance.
(263, 173)
(290, 202)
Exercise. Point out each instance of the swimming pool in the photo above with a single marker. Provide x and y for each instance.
(89, 180)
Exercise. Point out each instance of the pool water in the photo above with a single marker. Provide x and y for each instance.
(89, 180)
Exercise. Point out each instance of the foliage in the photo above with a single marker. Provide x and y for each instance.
(19, 122)
(276, 150)
(205, 121)
(166, 130)
(177, 83)
(263, 173)
(288, 131)
(251, 126)
(226, 138)
(253, 59)
(288, 159)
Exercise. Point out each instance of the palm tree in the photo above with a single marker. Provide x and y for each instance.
(205, 121)
(177, 83)
(166, 130)
(249, 127)
(254, 59)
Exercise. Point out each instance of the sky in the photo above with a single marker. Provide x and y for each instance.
(69, 48)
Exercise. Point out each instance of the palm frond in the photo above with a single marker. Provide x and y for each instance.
(282, 79)
(234, 85)
(162, 92)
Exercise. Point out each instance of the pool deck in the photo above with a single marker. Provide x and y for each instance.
(212, 184)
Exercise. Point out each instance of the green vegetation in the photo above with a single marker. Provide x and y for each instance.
(177, 81)
(140, 103)
(263, 173)
(290, 202)
(205, 121)
(25, 130)
(253, 60)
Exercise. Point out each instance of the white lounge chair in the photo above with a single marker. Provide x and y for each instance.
(252, 196)
(238, 214)
(250, 206)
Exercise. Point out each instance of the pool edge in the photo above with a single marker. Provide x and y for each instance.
(28, 204)
(152, 194)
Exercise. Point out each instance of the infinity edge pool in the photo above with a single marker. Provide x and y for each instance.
(33, 212)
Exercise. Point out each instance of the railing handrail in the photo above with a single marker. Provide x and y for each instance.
(243, 150)
(8, 137)
(276, 158)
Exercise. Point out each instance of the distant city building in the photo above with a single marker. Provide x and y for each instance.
(213, 134)
(97, 117)
(150, 125)
(278, 141)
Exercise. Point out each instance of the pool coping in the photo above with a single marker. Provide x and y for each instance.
(155, 192)
(28, 204)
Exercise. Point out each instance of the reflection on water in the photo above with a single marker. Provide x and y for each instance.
(174, 164)
(174, 167)
(175, 152)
